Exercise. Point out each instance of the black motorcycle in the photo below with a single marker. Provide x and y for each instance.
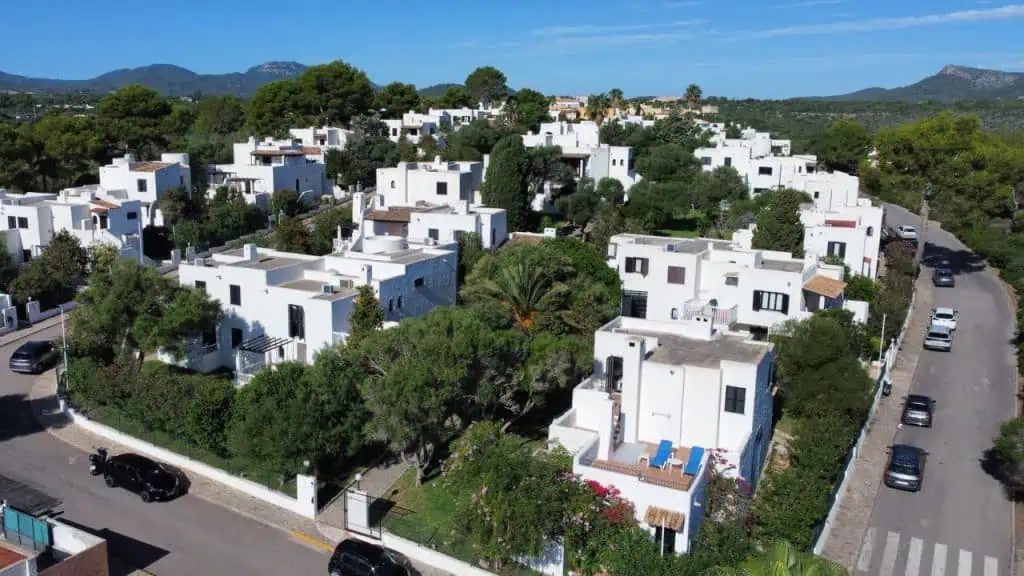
(98, 461)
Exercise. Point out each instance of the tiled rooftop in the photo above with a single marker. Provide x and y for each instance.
(148, 166)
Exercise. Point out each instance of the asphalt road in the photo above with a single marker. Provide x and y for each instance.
(184, 537)
(960, 522)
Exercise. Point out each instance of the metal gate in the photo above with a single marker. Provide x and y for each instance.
(361, 513)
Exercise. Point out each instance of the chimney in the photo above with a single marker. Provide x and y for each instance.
(606, 428)
(358, 209)
(250, 253)
(437, 162)
(190, 254)
(632, 375)
(366, 274)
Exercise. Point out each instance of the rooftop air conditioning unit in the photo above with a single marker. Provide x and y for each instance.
(347, 283)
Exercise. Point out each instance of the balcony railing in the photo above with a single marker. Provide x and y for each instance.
(726, 316)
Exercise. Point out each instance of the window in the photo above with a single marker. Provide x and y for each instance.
(816, 195)
(399, 302)
(394, 131)
(103, 221)
(493, 233)
(764, 170)
(871, 231)
(442, 188)
(236, 337)
(728, 161)
(432, 233)
(392, 184)
(280, 353)
(613, 373)
(735, 399)
(200, 285)
(141, 184)
(634, 304)
(210, 336)
(705, 160)
(837, 249)
(676, 275)
(418, 283)
(636, 266)
(26, 255)
(12, 222)
(22, 222)
(675, 314)
(236, 295)
(732, 280)
(771, 301)
(666, 539)
(391, 305)
(132, 216)
(759, 191)
(296, 322)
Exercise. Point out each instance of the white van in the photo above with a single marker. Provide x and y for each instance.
(939, 337)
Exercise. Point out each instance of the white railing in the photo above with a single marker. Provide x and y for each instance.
(695, 308)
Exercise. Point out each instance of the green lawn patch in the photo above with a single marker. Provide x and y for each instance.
(678, 233)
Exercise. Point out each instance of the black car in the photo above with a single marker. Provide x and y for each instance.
(943, 277)
(33, 357)
(905, 470)
(135, 473)
(357, 558)
(917, 410)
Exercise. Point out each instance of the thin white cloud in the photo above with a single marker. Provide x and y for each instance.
(1009, 12)
(810, 3)
(597, 30)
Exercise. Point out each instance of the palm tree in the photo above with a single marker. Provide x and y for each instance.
(693, 95)
(617, 97)
(525, 290)
(597, 106)
(780, 558)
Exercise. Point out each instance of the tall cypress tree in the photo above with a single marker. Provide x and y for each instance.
(506, 182)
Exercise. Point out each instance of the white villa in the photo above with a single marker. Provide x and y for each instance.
(262, 167)
(677, 279)
(129, 179)
(459, 116)
(414, 126)
(281, 306)
(325, 138)
(852, 233)
(666, 403)
(30, 221)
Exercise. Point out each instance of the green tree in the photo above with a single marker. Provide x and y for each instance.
(693, 95)
(470, 252)
(332, 94)
(456, 97)
(666, 163)
(274, 108)
(71, 149)
(506, 185)
(860, 288)
(222, 114)
(527, 109)
(359, 161)
(132, 120)
(8, 268)
(292, 235)
(325, 229)
(523, 290)
(617, 98)
(780, 558)
(486, 85)
(285, 202)
(53, 277)
(721, 187)
(845, 146)
(1008, 454)
(19, 158)
(179, 204)
(546, 165)
(778, 224)
(396, 99)
(367, 316)
(597, 106)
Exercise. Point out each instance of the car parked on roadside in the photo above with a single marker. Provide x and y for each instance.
(918, 410)
(945, 316)
(136, 473)
(357, 558)
(939, 338)
(33, 357)
(905, 470)
(905, 232)
(943, 278)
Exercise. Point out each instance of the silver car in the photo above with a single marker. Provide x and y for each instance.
(939, 338)
(917, 410)
(905, 470)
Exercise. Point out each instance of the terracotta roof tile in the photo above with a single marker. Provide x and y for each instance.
(825, 286)
(393, 214)
(148, 166)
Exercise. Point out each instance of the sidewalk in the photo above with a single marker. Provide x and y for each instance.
(44, 407)
(854, 513)
(22, 333)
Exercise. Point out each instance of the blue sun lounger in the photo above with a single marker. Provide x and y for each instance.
(662, 455)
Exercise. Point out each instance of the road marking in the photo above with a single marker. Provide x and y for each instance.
(964, 564)
(939, 560)
(991, 566)
(892, 547)
(313, 541)
(914, 557)
(864, 559)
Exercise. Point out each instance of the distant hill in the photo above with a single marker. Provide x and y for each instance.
(167, 79)
(951, 83)
(437, 90)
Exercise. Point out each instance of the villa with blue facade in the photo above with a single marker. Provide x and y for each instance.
(668, 403)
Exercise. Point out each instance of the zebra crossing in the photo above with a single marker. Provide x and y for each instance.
(891, 554)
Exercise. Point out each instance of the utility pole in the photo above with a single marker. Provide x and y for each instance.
(922, 232)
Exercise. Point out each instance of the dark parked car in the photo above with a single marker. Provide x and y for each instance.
(33, 357)
(917, 410)
(357, 558)
(943, 277)
(135, 473)
(906, 467)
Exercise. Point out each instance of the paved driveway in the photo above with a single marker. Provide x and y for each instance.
(185, 537)
(960, 522)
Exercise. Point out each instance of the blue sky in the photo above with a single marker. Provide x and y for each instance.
(734, 48)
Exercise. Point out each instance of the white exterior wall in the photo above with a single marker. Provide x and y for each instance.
(326, 137)
(121, 175)
(613, 162)
(490, 224)
(410, 183)
(565, 134)
(862, 242)
(38, 232)
(459, 116)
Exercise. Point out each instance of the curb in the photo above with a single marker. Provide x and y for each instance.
(32, 330)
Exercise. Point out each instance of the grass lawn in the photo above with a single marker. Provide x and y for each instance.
(787, 424)
(678, 233)
(236, 466)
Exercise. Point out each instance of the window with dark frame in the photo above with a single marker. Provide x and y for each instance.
(705, 160)
(296, 322)
(235, 295)
(837, 249)
(676, 275)
(418, 283)
(12, 222)
(141, 184)
(22, 222)
(637, 266)
(433, 233)
(236, 337)
(735, 399)
(201, 285)
(728, 161)
(771, 301)
(764, 170)
(391, 305)
(442, 188)
(132, 216)
(209, 337)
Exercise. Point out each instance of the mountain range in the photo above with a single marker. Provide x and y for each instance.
(173, 81)
(951, 83)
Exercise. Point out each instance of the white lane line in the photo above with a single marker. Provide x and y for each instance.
(914, 557)
(991, 566)
(939, 560)
(964, 563)
(892, 547)
(864, 559)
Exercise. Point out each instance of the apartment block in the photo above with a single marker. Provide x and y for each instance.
(262, 167)
(674, 279)
(668, 403)
(316, 142)
(281, 306)
(93, 215)
(414, 126)
(852, 233)
(146, 182)
(458, 116)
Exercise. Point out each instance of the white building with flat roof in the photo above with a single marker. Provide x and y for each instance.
(414, 126)
(281, 306)
(852, 233)
(30, 221)
(146, 181)
(262, 167)
(666, 404)
(316, 142)
(430, 202)
(678, 279)
(458, 116)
